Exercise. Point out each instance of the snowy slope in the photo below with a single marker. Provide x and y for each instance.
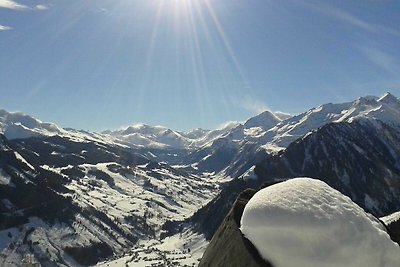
(303, 222)
(386, 109)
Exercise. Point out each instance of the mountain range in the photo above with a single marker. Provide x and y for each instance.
(70, 197)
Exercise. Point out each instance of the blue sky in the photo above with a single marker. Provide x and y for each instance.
(103, 64)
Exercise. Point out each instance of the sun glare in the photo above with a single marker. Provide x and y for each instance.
(197, 29)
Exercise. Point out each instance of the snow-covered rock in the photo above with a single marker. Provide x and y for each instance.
(303, 222)
(394, 217)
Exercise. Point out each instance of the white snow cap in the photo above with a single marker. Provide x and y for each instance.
(303, 222)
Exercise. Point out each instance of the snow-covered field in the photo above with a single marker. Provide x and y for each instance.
(157, 195)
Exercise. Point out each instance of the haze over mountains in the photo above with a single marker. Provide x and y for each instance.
(71, 197)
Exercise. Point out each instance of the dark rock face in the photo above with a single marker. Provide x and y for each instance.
(90, 255)
(207, 219)
(229, 247)
(394, 231)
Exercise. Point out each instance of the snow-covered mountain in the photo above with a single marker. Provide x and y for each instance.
(161, 137)
(386, 109)
(245, 145)
(16, 125)
(224, 154)
(358, 156)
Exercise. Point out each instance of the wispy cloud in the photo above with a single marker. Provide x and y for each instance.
(10, 4)
(381, 59)
(375, 54)
(227, 124)
(41, 7)
(254, 105)
(5, 28)
(348, 18)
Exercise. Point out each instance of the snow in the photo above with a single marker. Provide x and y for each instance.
(391, 218)
(16, 125)
(162, 138)
(156, 194)
(303, 222)
(265, 120)
(183, 250)
(44, 239)
(5, 179)
(282, 115)
(249, 174)
(18, 156)
(254, 131)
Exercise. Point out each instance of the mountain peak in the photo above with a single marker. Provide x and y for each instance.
(388, 98)
(19, 125)
(366, 99)
(265, 120)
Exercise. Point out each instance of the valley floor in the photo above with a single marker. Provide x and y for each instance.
(182, 250)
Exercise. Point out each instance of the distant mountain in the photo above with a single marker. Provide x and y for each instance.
(225, 153)
(16, 125)
(245, 145)
(159, 137)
